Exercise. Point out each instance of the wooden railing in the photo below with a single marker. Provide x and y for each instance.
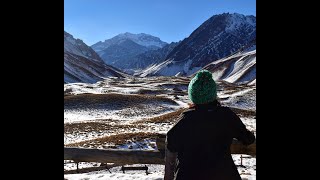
(137, 156)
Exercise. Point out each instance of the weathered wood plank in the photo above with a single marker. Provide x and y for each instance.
(137, 156)
(238, 148)
(113, 156)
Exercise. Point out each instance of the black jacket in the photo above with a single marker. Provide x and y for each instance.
(202, 139)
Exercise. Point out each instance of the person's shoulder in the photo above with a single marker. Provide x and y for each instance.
(188, 115)
(183, 117)
(188, 112)
(227, 110)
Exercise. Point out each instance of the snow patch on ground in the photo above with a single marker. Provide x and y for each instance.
(156, 171)
(125, 113)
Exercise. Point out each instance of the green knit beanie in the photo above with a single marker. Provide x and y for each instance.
(202, 88)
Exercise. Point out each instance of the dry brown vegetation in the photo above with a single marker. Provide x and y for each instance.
(112, 126)
(151, 91)
(169, 117)
(243, 112)
(117, 139)
(123, 99)
(98, 126)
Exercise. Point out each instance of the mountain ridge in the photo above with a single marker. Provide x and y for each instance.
(218, 37)
(82, 63)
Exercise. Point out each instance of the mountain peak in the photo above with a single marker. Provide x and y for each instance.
(132, 34)
(142, 39)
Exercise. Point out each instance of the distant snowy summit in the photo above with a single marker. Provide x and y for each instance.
(121, 49)
(83, 64)
(142, 39)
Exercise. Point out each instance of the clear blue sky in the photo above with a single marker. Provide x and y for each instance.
(170, 20)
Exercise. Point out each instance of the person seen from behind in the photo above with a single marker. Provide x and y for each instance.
(198, 145)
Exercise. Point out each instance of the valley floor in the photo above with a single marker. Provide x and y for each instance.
(129, 112)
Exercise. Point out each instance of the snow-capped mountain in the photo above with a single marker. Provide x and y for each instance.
(238, 68)
(121, 54)
(218, 37)
(82, 63)
(142, 39)
(120, 50)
